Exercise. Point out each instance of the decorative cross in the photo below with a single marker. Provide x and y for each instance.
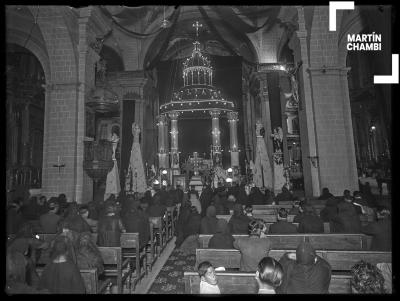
(197, 25)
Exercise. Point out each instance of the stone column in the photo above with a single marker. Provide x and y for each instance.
(174, 142)
(162, 152)
(216, 141)
(233, 120)
(306, 111)
(265, 111)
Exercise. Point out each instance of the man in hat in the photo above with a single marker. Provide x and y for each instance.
(252, 248)
(304, 272)
(84, 212)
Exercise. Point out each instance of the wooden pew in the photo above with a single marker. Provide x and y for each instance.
(336, 241)
(92, 283)
(159, 232)
(245, 283)
(50, 236)
(137, 259)
(114, 266)
(339, 260)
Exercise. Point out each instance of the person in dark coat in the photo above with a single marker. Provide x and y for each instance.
(368, 196)
(16, 264)
(109, 229)
(87, 253)
(156, 209)
(330, 210)
(381, 231)
(304, 272)
(223, 239)
(191, 232)
(282, 226)
(137, 221)
(76, 222)
(14, 217)
(209, 222)
(295, 209)
(256, 197)
(252, 248)
(243, 196)
(347, 220)
(310, 222)
(49, 221)
(284, 196)
(205, 199)
(61, 275)
(30, 211)
(184, 214)
(325, 194)
(239, 222)
(299, 216)
(219, 202)
(268, 196)
(26, 243)
(230, 202)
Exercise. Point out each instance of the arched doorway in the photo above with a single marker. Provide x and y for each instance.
(25, 107)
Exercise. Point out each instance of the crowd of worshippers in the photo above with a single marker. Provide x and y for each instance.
(73, 249)
(302, 272)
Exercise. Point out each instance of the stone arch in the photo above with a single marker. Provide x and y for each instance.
(15, 36)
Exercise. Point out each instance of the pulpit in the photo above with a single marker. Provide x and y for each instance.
(98, 159)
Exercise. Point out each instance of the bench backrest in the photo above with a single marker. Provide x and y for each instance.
(333, 241)
(339, 260)
(89, 276)
(50, 236)
(245, 283)
(111, 256)
(129, 240)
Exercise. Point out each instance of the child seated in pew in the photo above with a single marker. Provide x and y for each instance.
(208, 279)
(269, 275)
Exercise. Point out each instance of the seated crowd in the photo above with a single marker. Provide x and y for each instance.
(73, 249)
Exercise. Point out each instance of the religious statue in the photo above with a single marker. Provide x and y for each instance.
(101, 71)
(136, 179)
(277, 138)
(113, 186)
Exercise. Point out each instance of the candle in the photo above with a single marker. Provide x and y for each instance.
(58, 160)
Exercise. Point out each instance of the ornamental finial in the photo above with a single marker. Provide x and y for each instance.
(197, 25)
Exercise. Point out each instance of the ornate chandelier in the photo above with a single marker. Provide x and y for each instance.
(198, 95)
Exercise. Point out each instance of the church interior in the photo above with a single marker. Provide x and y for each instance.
(138, 136)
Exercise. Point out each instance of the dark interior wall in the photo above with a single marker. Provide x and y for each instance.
(195, 134)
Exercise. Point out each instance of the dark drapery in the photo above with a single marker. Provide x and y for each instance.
(274, 99)
(128, 117)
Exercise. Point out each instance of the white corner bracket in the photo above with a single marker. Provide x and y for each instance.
(333, 7)
(390, 79)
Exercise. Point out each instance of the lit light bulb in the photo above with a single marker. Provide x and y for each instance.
(230, 169)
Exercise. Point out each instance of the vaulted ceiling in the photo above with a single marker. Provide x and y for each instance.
(225, 29)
